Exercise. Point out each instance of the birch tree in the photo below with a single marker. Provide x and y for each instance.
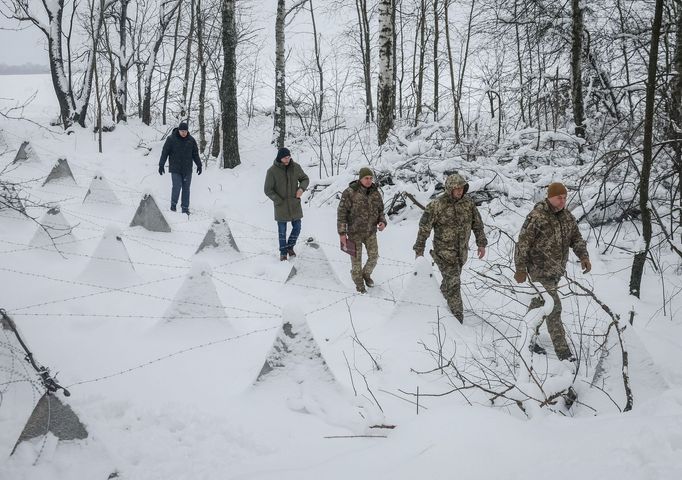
(386, 82)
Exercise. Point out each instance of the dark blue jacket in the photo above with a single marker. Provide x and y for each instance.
(180, 152)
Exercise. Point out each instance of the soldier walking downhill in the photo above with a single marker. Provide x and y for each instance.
(542, 254)
(359, 216)
(285, 183)
(452, 216)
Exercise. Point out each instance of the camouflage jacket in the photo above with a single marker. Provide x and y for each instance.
(360, 210)
(542, 249)
(452, 221)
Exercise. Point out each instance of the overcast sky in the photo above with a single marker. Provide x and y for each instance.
(23, 46)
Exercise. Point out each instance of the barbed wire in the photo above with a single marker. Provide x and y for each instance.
(171, 355)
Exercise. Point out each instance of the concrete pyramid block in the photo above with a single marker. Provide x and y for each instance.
(54, 416)
(149, 216)
(10, 201)
(296, 371)
(110, 263)
(100, 192)
(24, 153)
(421, 287)
(53, 228)
(60, 173)
(312, 265)
(219, 239)
(295, 354)
(197, 298)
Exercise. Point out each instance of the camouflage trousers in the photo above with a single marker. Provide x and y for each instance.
(357, 271)
(555, 326)
(450, 267)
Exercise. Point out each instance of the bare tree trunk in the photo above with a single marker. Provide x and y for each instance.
(202, 78)
(168, 9)
(123, 64)
(422, 52)
(647, 154)
(363, 23)
(519, 60)
(435, 59)
(676, 114)
(171, 67)
(464, 61)
(184, 113)
(280, 127)
(386, 83)
(451, 64)
(228, 87)
(320, 101)
(576, 69)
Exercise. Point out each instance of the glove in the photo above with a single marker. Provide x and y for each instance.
(520, 277)
(161, 170)
(586, 265)
(199, 170)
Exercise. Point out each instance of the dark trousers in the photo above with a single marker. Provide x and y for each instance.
(181, 181)
(284, 243)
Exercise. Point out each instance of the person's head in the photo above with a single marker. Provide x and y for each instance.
(456, 186)
(556, 195)
(283, 156)
(366, 177)
(182, 129)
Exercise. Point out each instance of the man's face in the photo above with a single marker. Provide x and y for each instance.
(558, 202)
(366, 181)
(286, 160)
(183, 133)
(457, 193)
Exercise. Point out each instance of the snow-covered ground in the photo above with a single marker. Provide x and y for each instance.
(162, 348)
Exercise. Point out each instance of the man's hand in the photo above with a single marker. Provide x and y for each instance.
(199, 170)
(586, 265)
(520, 277)
(343, 239)
(161, 170)
(299, 192)
(481, 252)
(381, 226)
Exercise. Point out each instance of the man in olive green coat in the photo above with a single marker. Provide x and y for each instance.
(542, 253)
(452, 216)
(359, 216)
(285, 182)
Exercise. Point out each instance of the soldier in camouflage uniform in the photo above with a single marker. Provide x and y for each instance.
(359, 216)
(452, 216)
(542, 253)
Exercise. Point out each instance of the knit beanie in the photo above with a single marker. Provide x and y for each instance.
(556, 189)
(281, 153)
(365, 172)
(183, 126)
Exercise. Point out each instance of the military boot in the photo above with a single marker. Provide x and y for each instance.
(368, 280)
(361, 289)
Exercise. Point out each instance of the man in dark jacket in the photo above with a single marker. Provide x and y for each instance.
(542, 254)
(285, 182)
(181, 149)
(359, 216)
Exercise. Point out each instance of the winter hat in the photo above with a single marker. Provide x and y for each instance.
(183, 126)
(556, 189)
(455, 181)
(281, 153)
(365, 172)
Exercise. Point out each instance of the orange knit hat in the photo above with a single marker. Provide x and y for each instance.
(556, 189)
